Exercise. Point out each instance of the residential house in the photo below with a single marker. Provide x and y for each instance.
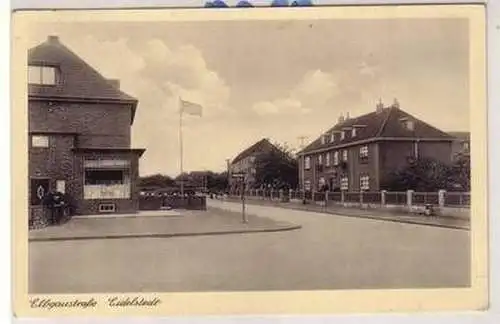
(359, 153)
(79, 134)
(245, 164)
(461, 143)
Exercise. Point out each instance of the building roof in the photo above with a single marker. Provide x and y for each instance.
(78, 80)
(465, 136)
(261, 146)
(382, 123)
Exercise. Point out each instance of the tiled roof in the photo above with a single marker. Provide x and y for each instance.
(260, 146)
(78, 79)
(387, 122)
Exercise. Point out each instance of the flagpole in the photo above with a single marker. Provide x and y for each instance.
(181, 147)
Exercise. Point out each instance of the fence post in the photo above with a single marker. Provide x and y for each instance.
(342, 196)
(326, 197)
(382, 197)
(361, 198)
(441, 197)
(409, 198)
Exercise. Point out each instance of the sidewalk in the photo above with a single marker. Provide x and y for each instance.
(214, 221)
(439, 221)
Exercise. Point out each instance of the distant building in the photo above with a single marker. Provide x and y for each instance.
(245, 163)
(358, 153)
(461, 143)
(79, 134)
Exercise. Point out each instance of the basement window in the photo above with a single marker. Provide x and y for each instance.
(107, 208)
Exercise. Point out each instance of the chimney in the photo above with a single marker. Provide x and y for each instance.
(341, 119)
(380, 105)
(53, 39)
(347, 117)
(115, 83)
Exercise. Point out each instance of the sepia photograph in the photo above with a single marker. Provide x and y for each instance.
(250, 155)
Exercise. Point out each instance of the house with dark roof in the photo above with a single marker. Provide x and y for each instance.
(79, 134)
(358, 153)
(461, 143)
(245, 163)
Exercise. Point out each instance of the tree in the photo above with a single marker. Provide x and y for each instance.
(279, 3)
(156, 181)
(424, 175)
(459, 174)
(244, 3)
(302, 3)
(277, 167)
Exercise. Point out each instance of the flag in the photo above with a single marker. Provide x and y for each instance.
(190, 108)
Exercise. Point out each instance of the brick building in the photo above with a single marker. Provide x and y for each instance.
(358, 153)
(79, 134)
(245, 163)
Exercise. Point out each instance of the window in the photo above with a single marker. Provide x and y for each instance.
(106, 183)
(336, 158)
(323, 139)
(104, 177)
(307, 185)
(342, 135)
(410, 125)
(344, 183)
(466, 146)
(328, 156)
(107, 208)
(307, 162)
(61, 186)
(363, 152)
(353, 132)
(320, 159)
(344, 155)
(364, 182)
(44, 75)
(332, 137)
(39, 141)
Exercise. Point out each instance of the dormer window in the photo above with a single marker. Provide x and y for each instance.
(323, 139)
(41, 75)
(332, 137)
(342, 135)
(408, 124)
(353, 134)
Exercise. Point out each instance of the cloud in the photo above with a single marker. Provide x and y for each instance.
(313, 91)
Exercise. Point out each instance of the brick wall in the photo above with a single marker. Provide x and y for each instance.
(100, 125)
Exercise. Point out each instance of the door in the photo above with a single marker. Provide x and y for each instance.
(39, 188)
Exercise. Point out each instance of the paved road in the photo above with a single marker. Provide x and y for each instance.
(329, 252)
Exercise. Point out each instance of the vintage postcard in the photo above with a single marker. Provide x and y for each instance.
(249, 161)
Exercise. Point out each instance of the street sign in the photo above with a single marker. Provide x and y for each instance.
(238, 175)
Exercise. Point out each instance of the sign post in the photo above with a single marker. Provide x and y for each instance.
(241, 177)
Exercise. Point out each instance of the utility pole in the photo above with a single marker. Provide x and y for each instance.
(301, 139)
(228, 161)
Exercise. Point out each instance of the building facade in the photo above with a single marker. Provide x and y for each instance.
(79, 134)
(358, 153)
(245, 164)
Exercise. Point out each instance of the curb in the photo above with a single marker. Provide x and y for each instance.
(394, 220)
(161, 235)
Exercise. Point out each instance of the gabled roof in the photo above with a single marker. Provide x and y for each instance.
(76, 80)
(261, 146)
(385, 123)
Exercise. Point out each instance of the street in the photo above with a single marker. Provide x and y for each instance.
(328, 252)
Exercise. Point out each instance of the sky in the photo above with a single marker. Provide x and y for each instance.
(270, 79)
